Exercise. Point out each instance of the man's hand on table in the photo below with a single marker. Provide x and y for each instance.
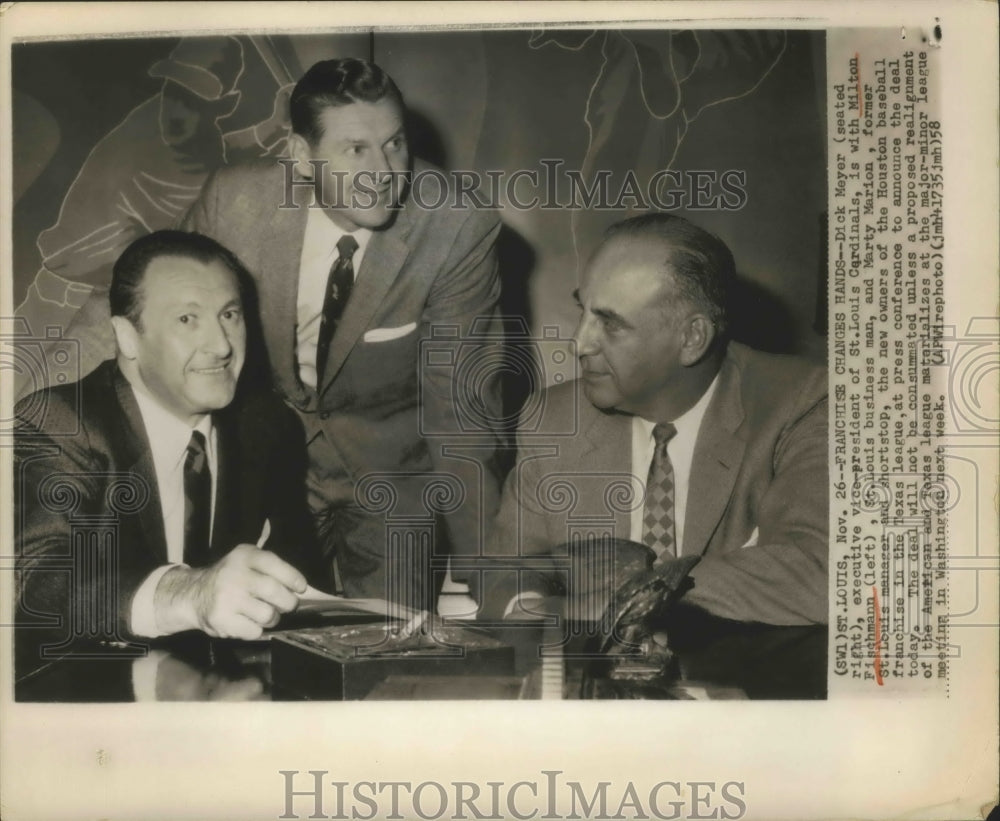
(238, 597)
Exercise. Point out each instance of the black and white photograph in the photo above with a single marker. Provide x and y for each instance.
(360, 370)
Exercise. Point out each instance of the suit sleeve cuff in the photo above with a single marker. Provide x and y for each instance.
(142, 616)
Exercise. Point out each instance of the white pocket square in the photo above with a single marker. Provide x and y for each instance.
(388, 334)
(752, 541)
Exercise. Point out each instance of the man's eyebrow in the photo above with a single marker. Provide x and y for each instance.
(611, 316)
(606, 314)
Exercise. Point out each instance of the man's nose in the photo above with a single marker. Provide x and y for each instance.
(216, 340)
(380, 165)
(585, 337)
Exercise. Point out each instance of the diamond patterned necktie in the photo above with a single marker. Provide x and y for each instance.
(338, 291)
(658, 529)
(197, 502)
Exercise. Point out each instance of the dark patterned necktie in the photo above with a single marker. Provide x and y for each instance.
(658, 528)
(338, 290)
(197, 502)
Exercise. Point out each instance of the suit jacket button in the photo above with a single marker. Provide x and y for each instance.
(324, 415)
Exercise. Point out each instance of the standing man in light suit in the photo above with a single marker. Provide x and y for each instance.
(726, 447)
(353, 276)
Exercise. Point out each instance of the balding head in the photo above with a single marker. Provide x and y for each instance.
(651, 333)
(697, 265)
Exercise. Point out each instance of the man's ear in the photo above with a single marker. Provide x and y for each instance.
(126, 335)
(298, 148)
(699, 333)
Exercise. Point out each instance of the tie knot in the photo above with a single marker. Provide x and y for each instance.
(663, 433)
(347, 245)
(196, 447)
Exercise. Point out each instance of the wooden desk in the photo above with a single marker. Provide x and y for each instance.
(716, 659)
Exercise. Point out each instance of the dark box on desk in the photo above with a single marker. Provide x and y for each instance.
(347, 662)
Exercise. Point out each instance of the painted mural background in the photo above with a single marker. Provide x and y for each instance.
(114, 138)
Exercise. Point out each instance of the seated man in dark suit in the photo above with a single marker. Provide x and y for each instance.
(144, 493)
(687, 443)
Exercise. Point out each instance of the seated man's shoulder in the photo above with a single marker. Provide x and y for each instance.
(559, 409)
(773, 379)
(67, 409)
(563, 396)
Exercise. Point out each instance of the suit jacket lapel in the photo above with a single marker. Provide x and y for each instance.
(226, 488)
(384, 257)
(604, 433)
(608, 449)
(137, 458)
(718, 453)
(280, 257)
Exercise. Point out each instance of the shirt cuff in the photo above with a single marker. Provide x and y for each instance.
(144, 674)
(142, 616)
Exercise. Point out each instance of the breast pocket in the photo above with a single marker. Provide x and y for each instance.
(376, 335)
(384, 368)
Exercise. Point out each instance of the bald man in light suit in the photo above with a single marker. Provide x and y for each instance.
(744, 435)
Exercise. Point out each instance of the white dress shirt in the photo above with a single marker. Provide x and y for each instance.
(168, 440)
(319, 252)
(680, 449)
